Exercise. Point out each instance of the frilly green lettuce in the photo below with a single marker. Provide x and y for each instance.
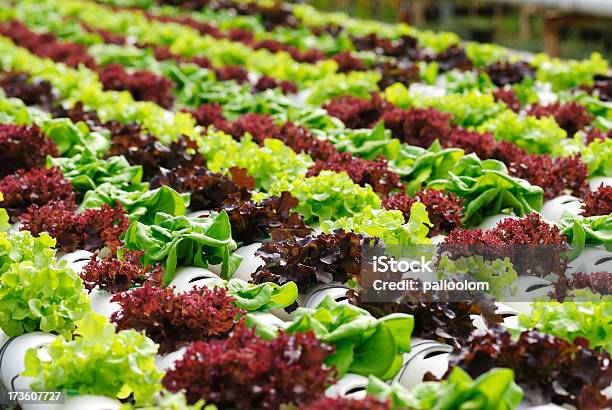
(569, 320)
(22, 246)
(568, 74)
(536, 136)
(48, 298)
(387, 225)
(266, 164)
(499, 274)
(98, 361)
(598, 157)
(328, 196)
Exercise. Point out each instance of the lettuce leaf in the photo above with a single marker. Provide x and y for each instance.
(262, 297)
(419, 166)
(488, 189)
(591, 231)
(72, 139)
(365, 143)
(327, 196)
(357, 83)
(483, 54)
(4, 217)
(364, 345)
(493, 390)
(499, 274)
(569, 320)
(140, 205)
(468, 110)
(266, 164)
(87, 173)
(598, 157)
(387, 225)
(21, 246)
(182, 241)
(46, 298)
(536, 136)
(566, 74)
(98, 361)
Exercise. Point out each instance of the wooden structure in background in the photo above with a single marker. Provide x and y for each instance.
(557, 14)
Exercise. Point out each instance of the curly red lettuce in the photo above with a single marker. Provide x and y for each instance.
(598, 202)
(533, 246)
(47, 45)
(142, 84)
(325, 258)
(599, 283)
(119, 275)
(174, 320)
(93, 229)
(506, 73)
(445, 209)
(23, 147)
(508, 97)
(146, 150)
(357, 112)
(208, 189)
(246, 372)
(31, 91)
(38, 186)
(439, 315)
(252, 221)
(572, 117)
(549, 369)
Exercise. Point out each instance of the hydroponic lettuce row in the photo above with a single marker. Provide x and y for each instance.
(328, 139)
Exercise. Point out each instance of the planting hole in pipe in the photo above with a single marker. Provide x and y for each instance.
(433, 354)
(535, 287)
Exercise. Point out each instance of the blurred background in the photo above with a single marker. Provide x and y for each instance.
(565, 28)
